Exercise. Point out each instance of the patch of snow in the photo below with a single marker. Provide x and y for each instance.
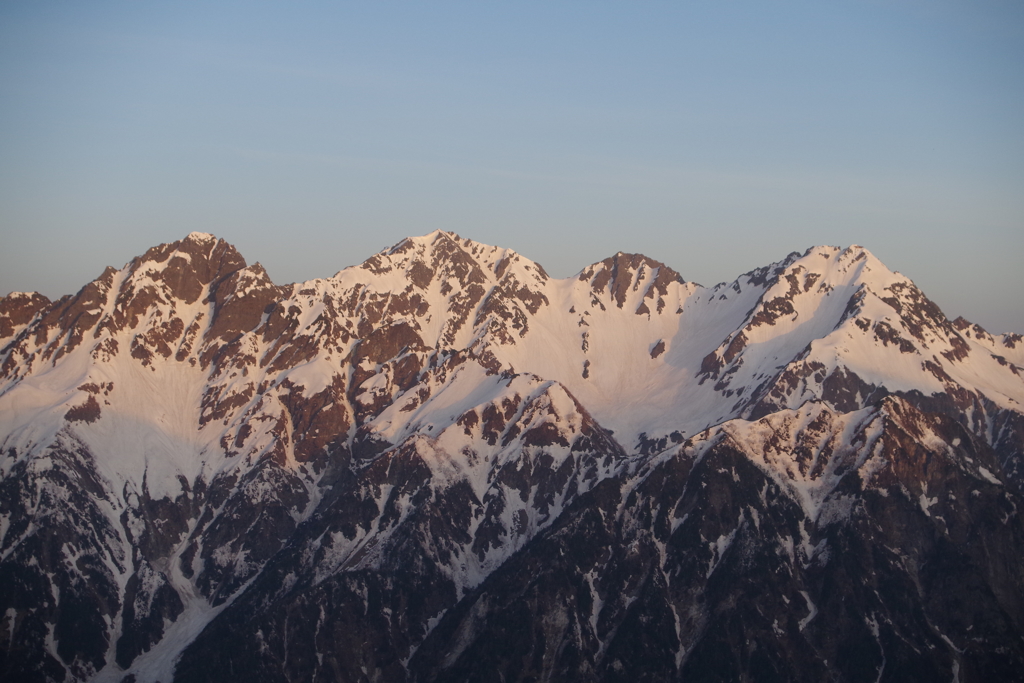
(925, 502)
(812, 610)
(201, 237)
(718, 549)
(989, 477)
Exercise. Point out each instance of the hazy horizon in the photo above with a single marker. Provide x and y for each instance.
(714, 138)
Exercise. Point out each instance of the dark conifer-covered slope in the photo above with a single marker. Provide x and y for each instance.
(445, 465)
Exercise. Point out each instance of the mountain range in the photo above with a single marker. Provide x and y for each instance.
(445, 465)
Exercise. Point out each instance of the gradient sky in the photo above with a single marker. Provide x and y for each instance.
(713, 136)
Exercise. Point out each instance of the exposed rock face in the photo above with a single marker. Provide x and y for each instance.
(809, 558)
(17, 310)
(443, 464)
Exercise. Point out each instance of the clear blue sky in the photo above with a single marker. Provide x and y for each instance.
(713, 136)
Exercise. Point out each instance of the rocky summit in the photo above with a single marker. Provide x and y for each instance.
(445, 465)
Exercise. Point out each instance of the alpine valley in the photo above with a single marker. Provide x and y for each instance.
(445, 465)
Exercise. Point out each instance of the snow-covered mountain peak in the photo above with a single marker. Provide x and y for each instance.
(617, 275)
(442, 255)
(188, 265)
(20, 296)
(182, 438)
(201, 237)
